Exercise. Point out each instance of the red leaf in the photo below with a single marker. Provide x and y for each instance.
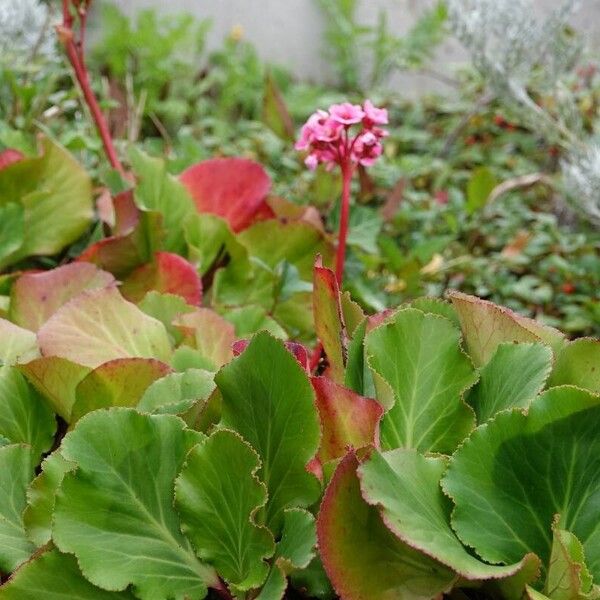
(232, 188)
(348, 419)
(168, 274)
(133, 236)
(9, 157)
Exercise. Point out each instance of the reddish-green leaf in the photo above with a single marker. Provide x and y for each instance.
(486, 325)
(100, 326)
(347, 419)
(363, 559)
(119, 382)
(56, 379)
(209, 333)
(35, 297)
(329, 320)
(168, 274)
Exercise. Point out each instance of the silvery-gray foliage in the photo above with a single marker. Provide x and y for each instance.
(25, 30)
(510, 44)
(520, 54)
(581, 172)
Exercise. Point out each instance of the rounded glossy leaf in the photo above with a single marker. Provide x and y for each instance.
(126, 467)
(217, 495)
(35, 297)
(512, 477)
(16, 472)
(363, 558)
(100, 326)
(268, 399)
(56, 576)
(420, 358)
(406, 487)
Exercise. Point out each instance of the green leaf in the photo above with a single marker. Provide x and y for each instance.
(54, 576)
(209, 238)
(268, 399)
(485, 325)
(41, 496)
(35, 297)
(435, 306)
(24, 416)
(480, 186)
(12, 230)
(165, 308)
(314, 580)
(294, 551)
(527, 468)
(160, 192)
(57, 380)
(275, 114)
(578, 363)
(271, 244)
(275, 586)
(16, 471)
(247, 320)
(419, 356)
(119, 382)
(361, 555)
(365, 227)
(533, 594)
(100, 326)
(513, 377)
(296, 548)
(353, 313)
(177, 392)
(359, 377)
(217, 495)
(329, 321)
(568, 577)
(185, 358)
(18, 345)
(56, 195)
(405, 487)
(126, 468)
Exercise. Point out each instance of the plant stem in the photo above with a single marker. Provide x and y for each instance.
(344, 221)
(75, 53)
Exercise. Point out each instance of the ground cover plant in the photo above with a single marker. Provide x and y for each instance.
(205, 393)
(421, 220)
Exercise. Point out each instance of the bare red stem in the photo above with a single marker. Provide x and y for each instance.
(347, 172)
(76, 54)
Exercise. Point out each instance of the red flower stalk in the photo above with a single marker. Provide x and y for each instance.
(75, 49)
(346, 135)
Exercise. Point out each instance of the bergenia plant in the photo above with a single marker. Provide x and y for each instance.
(345, 136)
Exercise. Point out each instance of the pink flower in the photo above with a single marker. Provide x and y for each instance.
(344, 135)
(367, 149)
(320, 127)
(346, 113)
(374, 115)
(311, 161)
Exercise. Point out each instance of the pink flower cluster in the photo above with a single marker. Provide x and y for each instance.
(346, 134)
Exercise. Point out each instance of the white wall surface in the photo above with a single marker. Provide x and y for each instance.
(290, 32)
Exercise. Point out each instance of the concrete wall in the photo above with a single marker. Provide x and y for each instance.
(290, 32)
